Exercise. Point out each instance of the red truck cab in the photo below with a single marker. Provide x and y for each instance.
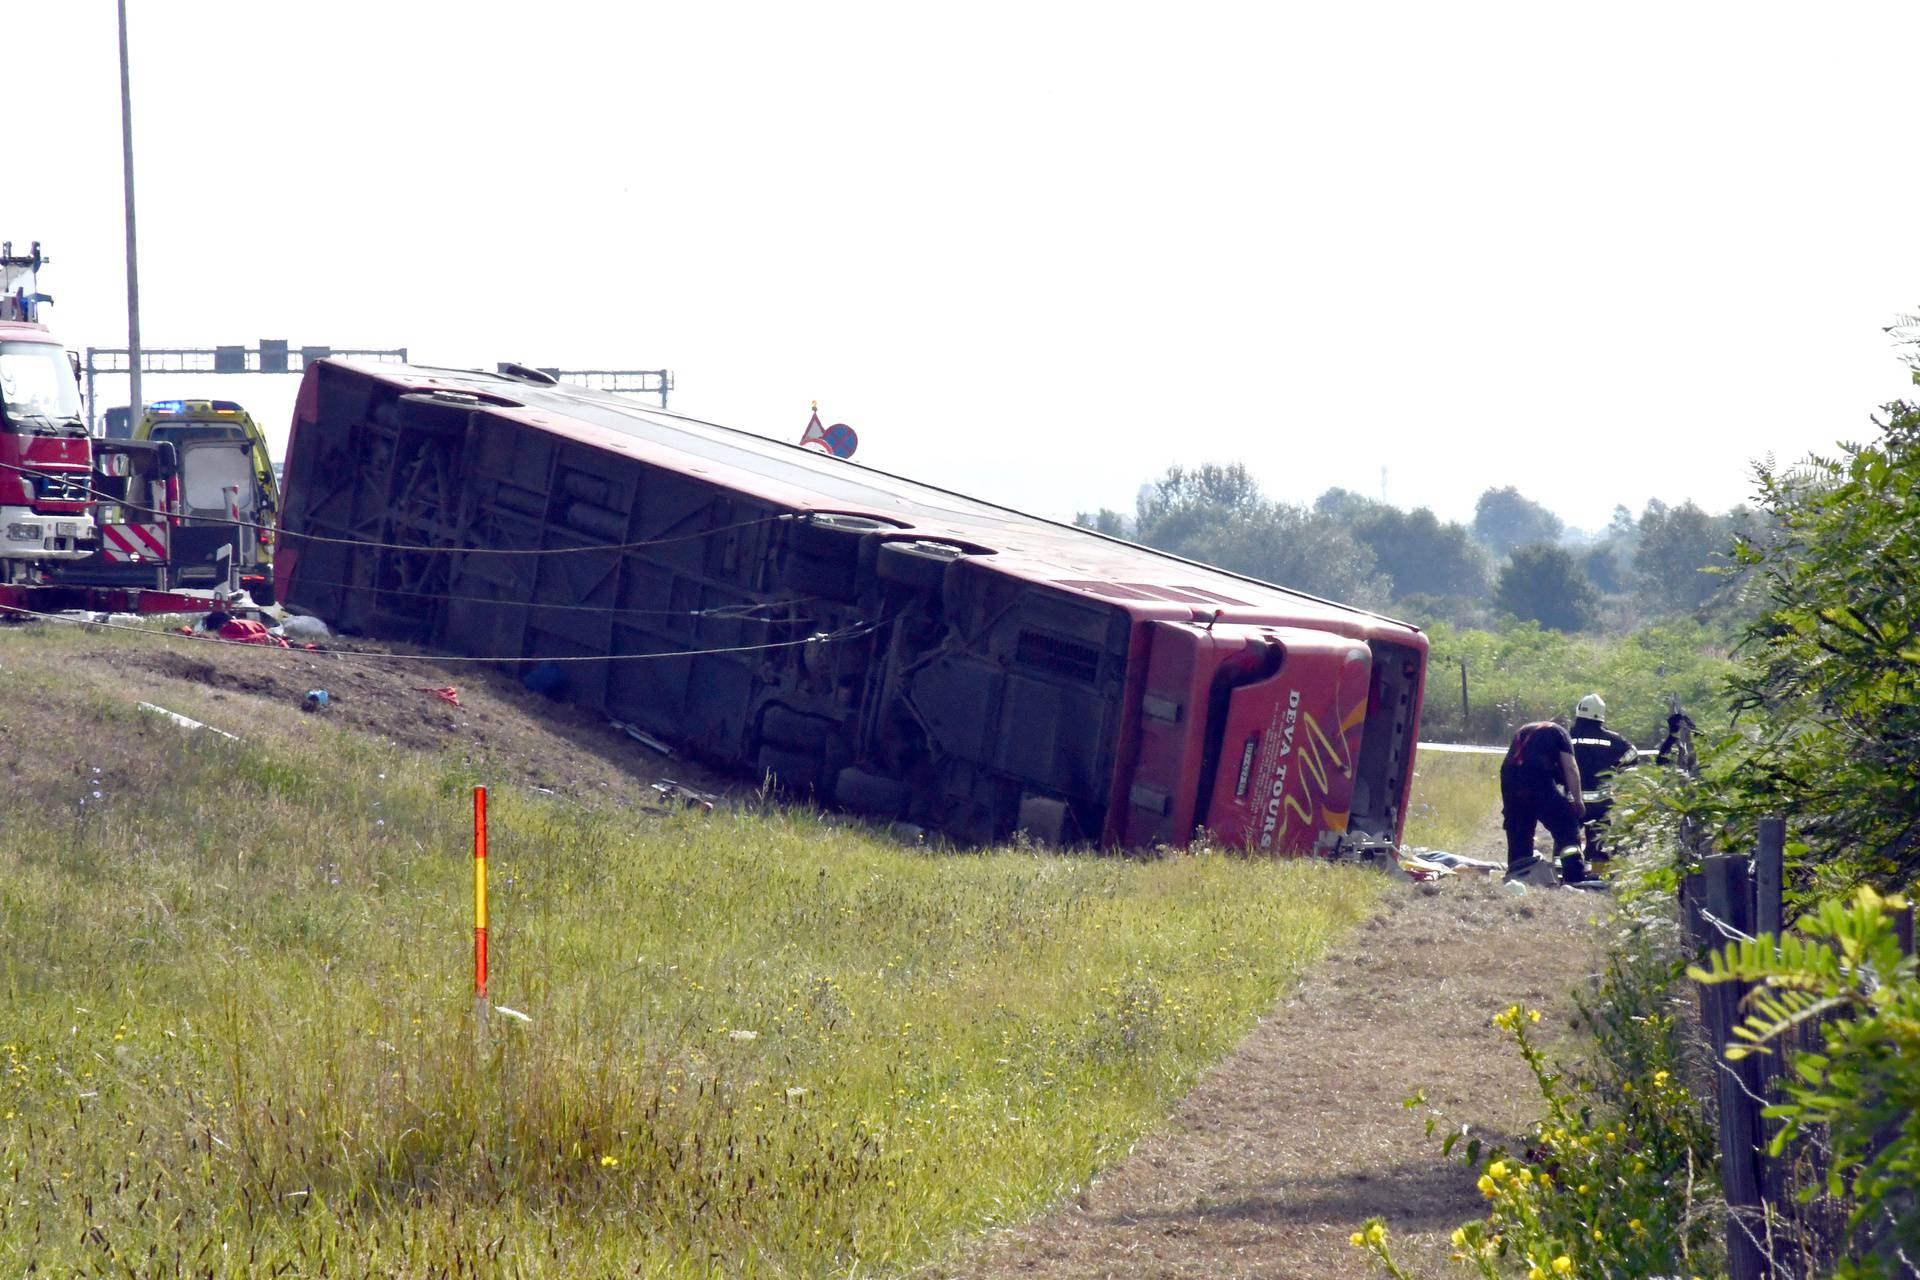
(46, 454)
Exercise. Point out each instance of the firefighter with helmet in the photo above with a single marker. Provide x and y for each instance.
(1540, 786)
(1598, 751)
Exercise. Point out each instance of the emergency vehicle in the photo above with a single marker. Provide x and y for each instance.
(229, 496)
(46, 454)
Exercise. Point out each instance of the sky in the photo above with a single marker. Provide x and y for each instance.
(1033, 252)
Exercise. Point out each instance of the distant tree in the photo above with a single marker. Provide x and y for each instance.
(1106, 521)
(1545, 584)
(1419, 553)
(1345, 504)
(1602, 566)
(1621, 526)
(1297, 548)
(1183, 501)
(1678, 546)
(1426, 556)
(1505, 521)
(1217, 515)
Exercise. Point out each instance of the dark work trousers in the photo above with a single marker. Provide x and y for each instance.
(1596, 829)
(1523, 807)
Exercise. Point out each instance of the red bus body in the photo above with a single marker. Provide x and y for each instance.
(886, 645)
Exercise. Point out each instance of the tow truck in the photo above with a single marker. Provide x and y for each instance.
(55, 480)
(46, 454)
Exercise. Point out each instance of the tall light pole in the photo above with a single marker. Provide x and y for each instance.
(133, 268)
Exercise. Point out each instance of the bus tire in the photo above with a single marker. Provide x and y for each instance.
(797, 773)
(871, 793)
(436, 413)
(785, 727)
(829, 536)
(921, 566)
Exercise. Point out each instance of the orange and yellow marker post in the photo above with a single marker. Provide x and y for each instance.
(480, 906)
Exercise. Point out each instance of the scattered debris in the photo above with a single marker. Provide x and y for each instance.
(446, 693)
(316, 700)
(304, 629)
(185, 722)
(245, 631)
(1456, 862)
(512, 1013)
(548, 679)
(686, 795)
(1419, 868)
(642, 737)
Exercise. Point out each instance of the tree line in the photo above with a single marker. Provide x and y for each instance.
(1516, 559)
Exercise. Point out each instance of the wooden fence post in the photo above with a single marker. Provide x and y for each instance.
(1769, 920)
(1769, 870)
(1729, 897)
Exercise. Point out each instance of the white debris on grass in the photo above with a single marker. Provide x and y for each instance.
(185, 722)
(303, 629)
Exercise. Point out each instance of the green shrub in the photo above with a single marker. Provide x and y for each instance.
(1828, 688)
(1528, 673)
(1843, 967)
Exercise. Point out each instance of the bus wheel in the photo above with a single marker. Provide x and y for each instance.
(920, 565)
(858, 789)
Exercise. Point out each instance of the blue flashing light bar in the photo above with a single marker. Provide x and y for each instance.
(166, 406)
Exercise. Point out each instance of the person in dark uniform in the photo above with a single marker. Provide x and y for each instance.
(1599, 751)
(1540, 786)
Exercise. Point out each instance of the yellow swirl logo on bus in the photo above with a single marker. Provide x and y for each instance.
(1320, 757)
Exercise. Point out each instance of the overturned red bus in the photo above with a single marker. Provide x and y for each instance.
(885, 645)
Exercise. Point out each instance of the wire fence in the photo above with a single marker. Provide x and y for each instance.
(1782, 1218)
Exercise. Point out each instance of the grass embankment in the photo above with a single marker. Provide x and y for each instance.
(236, 1028)
(1453, 796)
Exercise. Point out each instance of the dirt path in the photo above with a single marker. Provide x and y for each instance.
(1283, 1150)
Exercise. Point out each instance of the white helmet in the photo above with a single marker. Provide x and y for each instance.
(1591, 707)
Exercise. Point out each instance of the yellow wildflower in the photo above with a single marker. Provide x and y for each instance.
(609, 1162)
(1459, 1238)
(1376, 1233)
(1498, 1169)
(1563, 1264)
(1356, 1239)
(1486, 1186)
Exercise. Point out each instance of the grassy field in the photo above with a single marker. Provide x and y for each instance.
(236, 1031)
(1453, 798)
